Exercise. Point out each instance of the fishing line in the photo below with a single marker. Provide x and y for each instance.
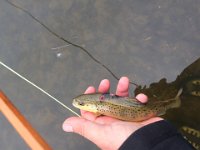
(66, 41)
(39, 88)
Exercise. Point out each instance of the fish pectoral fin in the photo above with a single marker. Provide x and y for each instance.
(160, 113)
(97, 114)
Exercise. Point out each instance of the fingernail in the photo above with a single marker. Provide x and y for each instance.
(67, 128)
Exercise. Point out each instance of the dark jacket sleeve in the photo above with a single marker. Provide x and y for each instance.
(160, 135)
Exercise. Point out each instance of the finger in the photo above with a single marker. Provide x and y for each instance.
(88, 115)
(123, 86)
(142, 98)
(88, 129)
(104, 86)
(98, 119)
(90, 90)
(105, 120)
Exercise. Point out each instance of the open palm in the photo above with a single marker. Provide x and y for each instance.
(106, 132)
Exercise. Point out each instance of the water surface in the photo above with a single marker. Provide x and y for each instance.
(143, 40)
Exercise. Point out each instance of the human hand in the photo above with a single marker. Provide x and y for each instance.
(106, 132)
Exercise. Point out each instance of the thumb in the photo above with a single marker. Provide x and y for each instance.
(90, 130)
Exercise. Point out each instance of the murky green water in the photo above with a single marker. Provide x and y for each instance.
(143, 40)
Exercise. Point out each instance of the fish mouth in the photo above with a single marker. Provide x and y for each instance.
(75, 104)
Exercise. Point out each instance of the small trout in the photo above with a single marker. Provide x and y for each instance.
(124, 108)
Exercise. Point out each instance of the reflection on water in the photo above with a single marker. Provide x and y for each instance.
(81, 47)
(191, 135)
(188, 113)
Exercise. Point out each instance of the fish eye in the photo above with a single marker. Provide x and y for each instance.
(81, 103)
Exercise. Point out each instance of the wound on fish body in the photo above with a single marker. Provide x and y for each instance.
(124, 108)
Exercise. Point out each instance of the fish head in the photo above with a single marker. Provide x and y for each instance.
(87, 102)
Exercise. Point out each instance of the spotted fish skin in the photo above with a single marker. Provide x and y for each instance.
(124, 108)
